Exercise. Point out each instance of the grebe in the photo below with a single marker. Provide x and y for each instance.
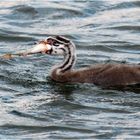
(106, 75)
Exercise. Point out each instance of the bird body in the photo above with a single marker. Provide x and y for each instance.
(106, 75)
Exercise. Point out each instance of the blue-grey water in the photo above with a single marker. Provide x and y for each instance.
(32, 106)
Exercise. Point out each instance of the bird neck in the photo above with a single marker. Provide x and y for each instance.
(68, 61)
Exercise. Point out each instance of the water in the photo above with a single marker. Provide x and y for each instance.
(32, 105)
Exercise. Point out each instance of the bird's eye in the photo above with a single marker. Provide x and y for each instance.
(55, 43)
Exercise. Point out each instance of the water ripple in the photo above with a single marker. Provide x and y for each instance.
(34, 106)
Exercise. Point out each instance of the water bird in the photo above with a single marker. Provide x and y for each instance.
(106, 75)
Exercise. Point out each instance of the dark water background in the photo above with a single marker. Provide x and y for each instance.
(33, 106)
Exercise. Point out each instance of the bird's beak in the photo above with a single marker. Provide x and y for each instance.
(39, 48)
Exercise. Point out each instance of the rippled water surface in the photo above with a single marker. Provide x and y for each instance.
(32, 105)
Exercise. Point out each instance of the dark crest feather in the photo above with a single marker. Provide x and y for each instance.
(63, 39)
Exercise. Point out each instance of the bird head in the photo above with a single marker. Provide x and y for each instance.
(52, 45)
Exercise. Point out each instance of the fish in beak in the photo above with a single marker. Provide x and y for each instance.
(42, 47)
(45, 47)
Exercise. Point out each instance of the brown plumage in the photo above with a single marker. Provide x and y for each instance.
(106, 75)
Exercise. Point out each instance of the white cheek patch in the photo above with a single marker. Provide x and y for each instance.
(61, 46)
(60, 52)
